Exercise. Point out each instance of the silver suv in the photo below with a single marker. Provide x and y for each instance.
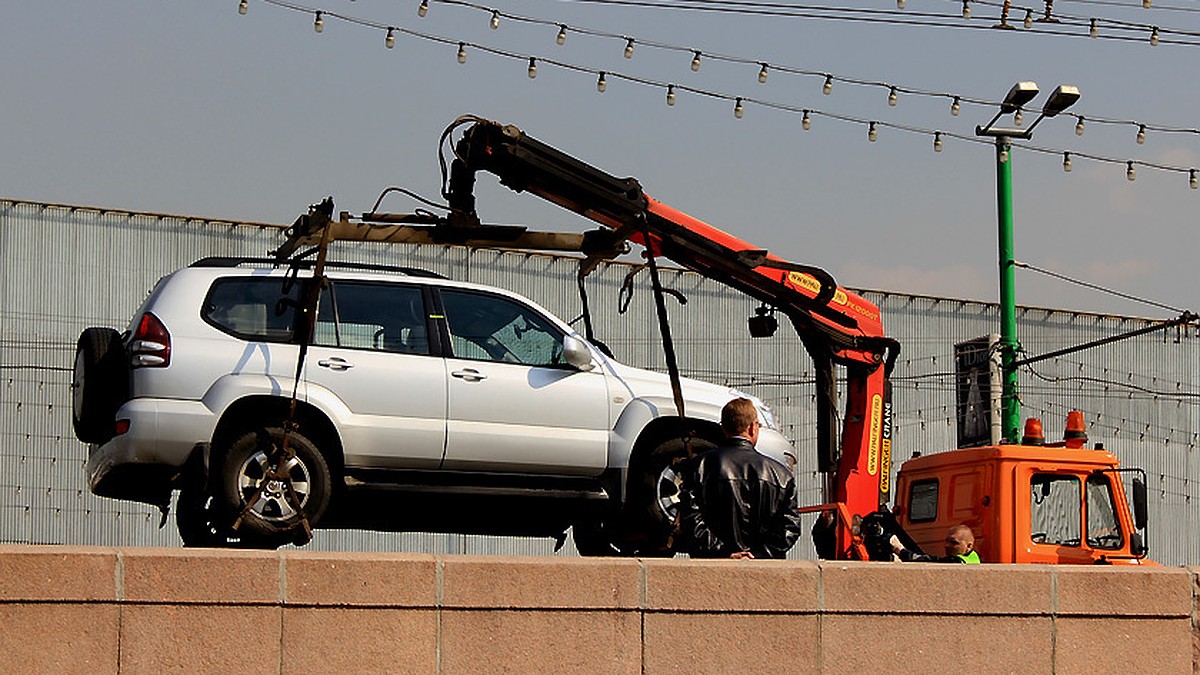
(419, 399)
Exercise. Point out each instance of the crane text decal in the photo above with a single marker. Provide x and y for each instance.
(873, 445)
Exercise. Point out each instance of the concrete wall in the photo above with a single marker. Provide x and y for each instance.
(138, 610)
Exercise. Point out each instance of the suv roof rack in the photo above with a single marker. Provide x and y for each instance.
(232, 261)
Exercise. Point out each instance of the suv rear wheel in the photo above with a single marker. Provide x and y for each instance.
(248, 485)
(99, 384)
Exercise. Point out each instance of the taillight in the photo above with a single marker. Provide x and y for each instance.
(150, 345)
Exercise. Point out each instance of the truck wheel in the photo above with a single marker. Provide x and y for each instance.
(99, 384)
(243, 471)
(655, 484)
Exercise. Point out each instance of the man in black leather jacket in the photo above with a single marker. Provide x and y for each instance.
(738, 503)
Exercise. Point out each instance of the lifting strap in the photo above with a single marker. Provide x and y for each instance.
(664, 327)
(281, 454)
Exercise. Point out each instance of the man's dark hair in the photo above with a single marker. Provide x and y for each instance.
(737, 416)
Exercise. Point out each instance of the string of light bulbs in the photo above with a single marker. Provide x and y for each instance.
(672, 91)
(1093, 23)
(1055, 26)
(829, 79)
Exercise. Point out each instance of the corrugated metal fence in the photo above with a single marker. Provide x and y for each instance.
(66, 268)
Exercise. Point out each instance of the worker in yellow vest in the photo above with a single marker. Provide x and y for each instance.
(960, 548)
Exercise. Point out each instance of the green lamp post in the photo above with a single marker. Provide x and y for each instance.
(1022, 93)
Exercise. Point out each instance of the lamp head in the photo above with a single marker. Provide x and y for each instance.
(1018, 96)
(1063, 97)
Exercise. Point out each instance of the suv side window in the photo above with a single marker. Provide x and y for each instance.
(253, 308)
(368, 315)
(490, 328)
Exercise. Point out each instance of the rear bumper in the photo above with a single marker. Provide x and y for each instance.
(144, 463)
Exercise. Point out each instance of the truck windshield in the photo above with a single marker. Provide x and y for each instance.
(1054, 514)
(1103, 530)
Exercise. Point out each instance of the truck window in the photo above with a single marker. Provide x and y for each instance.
(922, 501)
(1103, 530)
(1054, 513)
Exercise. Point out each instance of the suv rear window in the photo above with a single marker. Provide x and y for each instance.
(253, 308)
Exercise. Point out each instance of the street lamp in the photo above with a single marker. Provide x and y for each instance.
(1022, 93)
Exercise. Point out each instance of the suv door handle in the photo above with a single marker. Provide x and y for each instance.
(335, 363)
(469, 374)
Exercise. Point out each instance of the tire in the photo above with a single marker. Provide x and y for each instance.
(271, 519)
(99, 384)
(654, 492)
(197, 520)
(596, 537)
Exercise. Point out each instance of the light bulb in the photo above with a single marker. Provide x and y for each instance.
(966, 9)
(1154, 37)
(601, 85)
(495, 22)
(1145, 4)
(423, 9)
(899, 4)
(629, 48)
(806, 122)
(737, 109)
(872, 134)
(532, 67)
(955, 106)
(1141, 135)
(1067, 162)
(695, 61)
(1018, 118)
(828, 85)
(1093, 31)
(670, 94)
(1129, 171)
(1028, 19)
(561, 38)
(1193, 180)
(762, 74)
(892, 97)
(937, 141)
(462, 52)
(319, 23)
(1079, 126)
(390, 40)
(243, 7)
(1003, 155)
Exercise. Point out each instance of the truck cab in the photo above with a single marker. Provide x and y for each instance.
(1031, 502)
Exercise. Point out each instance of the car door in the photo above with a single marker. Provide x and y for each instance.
(513, 403)
(373, 366)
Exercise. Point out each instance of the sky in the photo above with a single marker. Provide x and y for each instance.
(188, 107)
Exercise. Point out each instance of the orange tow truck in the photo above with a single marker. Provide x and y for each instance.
(1035, 502)
(1030, 502)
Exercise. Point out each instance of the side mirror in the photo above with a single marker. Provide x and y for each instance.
(577, 354)
(1139, 503)
(1137, 546)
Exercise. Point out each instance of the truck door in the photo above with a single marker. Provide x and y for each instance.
(514, 403)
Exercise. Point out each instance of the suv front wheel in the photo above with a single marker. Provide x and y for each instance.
(253, 485)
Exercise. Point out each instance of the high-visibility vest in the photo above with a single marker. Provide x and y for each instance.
(970, 557)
